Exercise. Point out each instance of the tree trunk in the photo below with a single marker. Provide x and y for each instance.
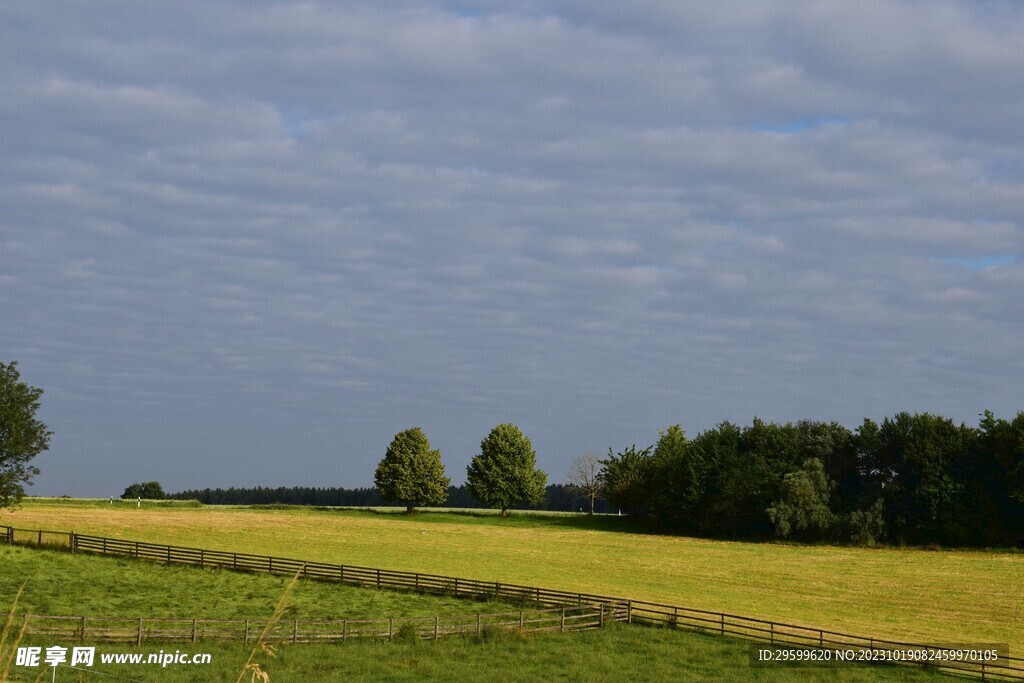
(504, 512)
(410, 508)
(592, 503)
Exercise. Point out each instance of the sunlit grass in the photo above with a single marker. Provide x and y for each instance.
(85, 585)
(910, 594)
(622, 653)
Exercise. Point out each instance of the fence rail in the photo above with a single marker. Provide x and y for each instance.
(140, 630)
(607, 608)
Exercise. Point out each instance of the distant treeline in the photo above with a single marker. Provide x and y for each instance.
(557, 497)
(914, 479)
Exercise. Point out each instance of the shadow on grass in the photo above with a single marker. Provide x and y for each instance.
(528, 519)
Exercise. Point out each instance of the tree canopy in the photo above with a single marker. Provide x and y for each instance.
(505, 472)
(149, 490)
(22, 435)
(411, 472)
(913, 478)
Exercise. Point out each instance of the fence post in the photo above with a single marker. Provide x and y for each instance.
(722, 627)
(563, 621)
(71, 541)
(138, 641)
(202, 558)
(105, 548)
(168, 554)
(602, 615)
(270, 565)
(391, 629)
(341, 574)
(417, 582)
(629, 611)
(245, 637)
(479, 626)
(295, 631)
(456, 586)
(821, 638)
(773, 633)
(522, 621)
(40, 537)
(83, 629)
(195, 630)
(344, 630)
(378, 578)
(437, 625)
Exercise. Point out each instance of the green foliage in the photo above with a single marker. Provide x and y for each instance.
(505, 472)
(149, 490)
(914, 478)
(916, 462)
(867, 527)
(22, 436)
(804, 505)
(625, 478)
(407, 633)
(411, 472)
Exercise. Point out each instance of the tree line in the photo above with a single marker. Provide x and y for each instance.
(913, 479)
(503, 476)
(557, 497)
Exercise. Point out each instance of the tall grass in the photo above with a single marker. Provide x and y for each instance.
(9, 649)
(626, 653)
(258, 673)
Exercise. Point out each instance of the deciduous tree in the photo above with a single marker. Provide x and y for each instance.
(411, 472)
(148, 490)
(505, 472)
(22, 435)
(584, 477)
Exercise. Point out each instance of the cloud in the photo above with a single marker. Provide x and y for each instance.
(241, 231)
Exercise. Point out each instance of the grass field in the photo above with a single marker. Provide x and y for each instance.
(84, 585)
(61, 583)
(911, 594)
(623, 653)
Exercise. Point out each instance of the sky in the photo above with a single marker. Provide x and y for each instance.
(245, 243)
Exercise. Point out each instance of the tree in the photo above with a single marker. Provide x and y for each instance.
(150, 490)
(505, 473)
(624, 477)
(920, 455)
(411, 472)
(22, 436)
(584, 477)
(804, 503)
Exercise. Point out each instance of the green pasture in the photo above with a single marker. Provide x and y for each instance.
(60, 583)
(963, 596)
(621, 653)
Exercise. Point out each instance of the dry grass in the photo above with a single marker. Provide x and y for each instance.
(951, 596)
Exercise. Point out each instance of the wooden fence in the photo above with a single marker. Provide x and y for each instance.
(141, 630)
(609, 608)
